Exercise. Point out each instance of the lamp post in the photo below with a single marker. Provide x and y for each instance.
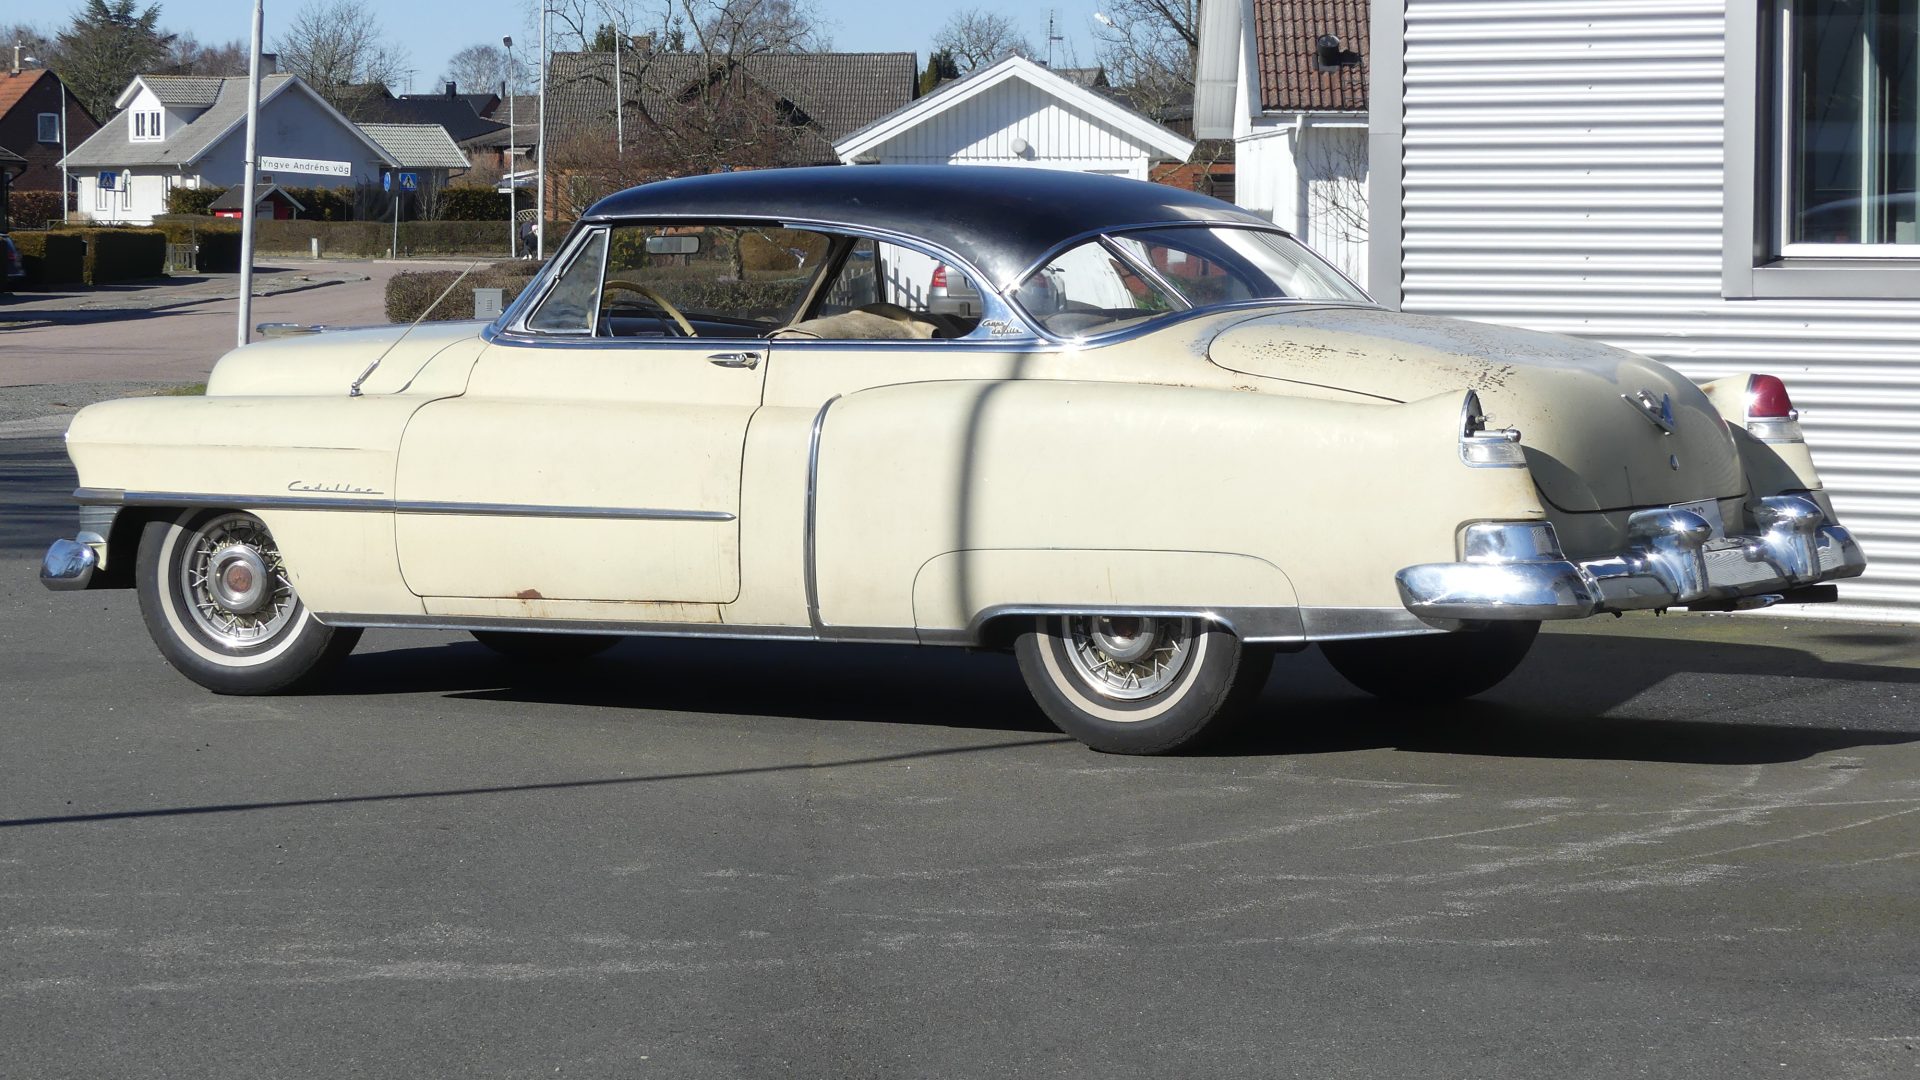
(540, 149)
(247, 213)
(513, 212)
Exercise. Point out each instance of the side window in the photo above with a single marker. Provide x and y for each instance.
(887, 291)
(720, 280)
(1089, 290)
(569, 308)
(1198, 278)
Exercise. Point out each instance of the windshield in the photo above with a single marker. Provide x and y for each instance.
(1091, 289)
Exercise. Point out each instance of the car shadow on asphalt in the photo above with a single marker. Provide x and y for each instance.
(1577, 697)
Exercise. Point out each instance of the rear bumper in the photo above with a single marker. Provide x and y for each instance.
(1670, 561)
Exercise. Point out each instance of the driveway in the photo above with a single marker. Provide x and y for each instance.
(1681, 847)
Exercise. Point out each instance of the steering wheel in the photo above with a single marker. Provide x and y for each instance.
(661, 302)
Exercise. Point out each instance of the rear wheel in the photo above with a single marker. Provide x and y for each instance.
(538, 648)
(1138, 684)
(217, 599)
(1433, 667)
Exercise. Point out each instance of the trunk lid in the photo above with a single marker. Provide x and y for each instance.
(1589, 443)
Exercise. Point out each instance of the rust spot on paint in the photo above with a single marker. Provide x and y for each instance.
(528, 594)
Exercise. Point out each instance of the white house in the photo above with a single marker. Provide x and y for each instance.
(1016, 113)
(189, 131)
(1724, 185)
(1286, 80)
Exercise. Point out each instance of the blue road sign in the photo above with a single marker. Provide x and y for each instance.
(106, 181)
(386, 181)
(409, 181)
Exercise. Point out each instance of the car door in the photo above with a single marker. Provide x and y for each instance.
(596, 453)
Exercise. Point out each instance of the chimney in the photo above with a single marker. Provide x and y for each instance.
(641, 43)
(451, 92)
(269, 63)
(16, 57)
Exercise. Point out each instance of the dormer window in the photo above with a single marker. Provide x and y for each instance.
(146, 126)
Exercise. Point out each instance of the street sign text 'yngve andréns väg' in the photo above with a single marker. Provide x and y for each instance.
(305, 165)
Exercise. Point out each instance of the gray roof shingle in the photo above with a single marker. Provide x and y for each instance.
(184, 91)
(418, 146)
(110, 147)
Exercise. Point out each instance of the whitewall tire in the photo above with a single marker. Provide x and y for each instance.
(219, 603)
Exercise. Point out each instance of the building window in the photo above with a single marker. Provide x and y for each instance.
(101, 193)
(49, 127)
(146, 126)
(1822, 149)
(126, 191)
(1849, 85)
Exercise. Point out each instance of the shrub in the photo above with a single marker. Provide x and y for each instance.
(32, 209)
(52, 258)
(124, 254)
(193, 200)
(323, 204)
(468, 202)
(409, 294)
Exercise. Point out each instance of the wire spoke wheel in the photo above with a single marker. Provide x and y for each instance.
(234, 585)
(1128, 657)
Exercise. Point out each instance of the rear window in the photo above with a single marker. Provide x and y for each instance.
(1090, 290)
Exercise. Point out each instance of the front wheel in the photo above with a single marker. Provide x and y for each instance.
(1433, 667)
(217, 599)
(1138, 684)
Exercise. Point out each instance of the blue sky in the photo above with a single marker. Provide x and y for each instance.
(433, 30)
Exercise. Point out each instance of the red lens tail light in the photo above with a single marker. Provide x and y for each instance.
(1767, 399)
(939, 278)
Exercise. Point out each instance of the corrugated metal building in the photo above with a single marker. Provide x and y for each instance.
(1670, 176)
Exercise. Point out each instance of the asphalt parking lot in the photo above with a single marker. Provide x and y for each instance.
(1673, 848)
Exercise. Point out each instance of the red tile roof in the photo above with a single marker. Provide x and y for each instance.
(14, 86)
(1291, 78)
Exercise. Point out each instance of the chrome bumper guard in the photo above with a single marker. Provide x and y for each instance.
(68, 565)
(1671, 560)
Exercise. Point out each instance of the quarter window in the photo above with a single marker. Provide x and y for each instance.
(1090, 290)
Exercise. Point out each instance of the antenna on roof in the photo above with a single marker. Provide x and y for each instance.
(1053, 35)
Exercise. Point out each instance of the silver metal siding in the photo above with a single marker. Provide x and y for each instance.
(1562, 169)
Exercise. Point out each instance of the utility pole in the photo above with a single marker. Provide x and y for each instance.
(253, 133)
(619, 94)
(540, 197)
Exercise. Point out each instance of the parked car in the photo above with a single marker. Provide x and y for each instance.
(1172, 442)
(951, 292)
(11, 266)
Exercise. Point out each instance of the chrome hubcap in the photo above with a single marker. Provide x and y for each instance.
(1128, 657)
(235, 585)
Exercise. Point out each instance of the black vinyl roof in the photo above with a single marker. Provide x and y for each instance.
(1002, 220)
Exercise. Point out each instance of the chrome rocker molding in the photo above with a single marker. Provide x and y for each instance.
(1670, 561)
(188, 499)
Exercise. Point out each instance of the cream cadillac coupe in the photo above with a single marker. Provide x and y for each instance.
(1169, 442)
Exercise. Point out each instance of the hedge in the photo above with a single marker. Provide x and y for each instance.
(32, 209)
(472, 203)
(372, 239)
(52, 258)
(193, 200)
(124, 254)
(409, 294)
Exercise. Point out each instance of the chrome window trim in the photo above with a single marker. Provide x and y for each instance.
(113, 497)
(522, 309)
(1147, 273)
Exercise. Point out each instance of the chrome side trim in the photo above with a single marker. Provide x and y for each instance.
(113, 497)
(1345, 623)
(1253, 625)
(808, 543)
(565, 626)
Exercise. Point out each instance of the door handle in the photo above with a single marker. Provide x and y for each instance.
(735, 359)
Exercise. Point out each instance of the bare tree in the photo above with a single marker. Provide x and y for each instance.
(187, 56)
(338, 48)
(477, 69)
(1148, 48)
(737, 28)
(976, 37)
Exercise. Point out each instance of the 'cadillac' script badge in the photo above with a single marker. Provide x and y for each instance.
(1658, 413)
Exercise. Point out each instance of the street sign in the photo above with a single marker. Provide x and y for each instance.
(306, 165)
(409, 181)
(386, 181)
(106, 180)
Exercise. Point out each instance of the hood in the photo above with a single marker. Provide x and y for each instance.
(328, 362)
(1588, 448)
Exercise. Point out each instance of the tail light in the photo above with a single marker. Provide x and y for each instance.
(939, 277)
(1771, 416)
